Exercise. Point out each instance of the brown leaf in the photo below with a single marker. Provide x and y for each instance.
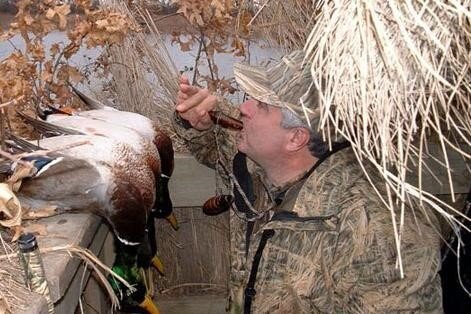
(50, 14)
(63, 96)
(185, 46)
(28, 19)
(70, 50)
(55, 48)
(81, 29)
(46, 74)
(17, 231)
(37, 51)
(101, 24)
(62, 11)
(74, 74)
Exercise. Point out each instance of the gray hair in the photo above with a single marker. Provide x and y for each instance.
(316, 145)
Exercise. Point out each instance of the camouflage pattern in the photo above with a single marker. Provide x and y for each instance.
(287, 84)
(336, 252)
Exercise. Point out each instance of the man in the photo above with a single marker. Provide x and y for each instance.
(308, 232)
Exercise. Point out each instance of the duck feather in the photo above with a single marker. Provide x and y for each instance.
(99, 175)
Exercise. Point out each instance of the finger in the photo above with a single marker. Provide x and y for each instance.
(184, 80)
(208, 104)
(181, 97)
(193, 101)
(202, 123)
(188, 89)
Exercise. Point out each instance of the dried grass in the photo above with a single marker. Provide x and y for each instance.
(284, 24)
(394, 80)
(196, 254)
(12, 286)
(145, 80)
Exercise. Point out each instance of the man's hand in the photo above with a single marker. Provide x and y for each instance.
(193, 104)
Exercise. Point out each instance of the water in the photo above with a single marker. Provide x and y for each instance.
(184, 61)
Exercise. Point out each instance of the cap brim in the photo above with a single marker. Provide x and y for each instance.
(255, 82)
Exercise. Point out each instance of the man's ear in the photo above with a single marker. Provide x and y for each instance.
(299, 138)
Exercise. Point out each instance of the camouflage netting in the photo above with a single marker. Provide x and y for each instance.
(395, 82)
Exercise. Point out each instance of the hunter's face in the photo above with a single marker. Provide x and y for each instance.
(262, 136)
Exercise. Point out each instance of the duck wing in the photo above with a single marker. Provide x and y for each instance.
(131, 120)
(99, 175)
(69, 184)
(90, 102)
(77, 125)
(121, 159)
(49, 129)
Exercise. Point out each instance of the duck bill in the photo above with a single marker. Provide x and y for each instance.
(149, 306)
(157, 262)
(173, 221)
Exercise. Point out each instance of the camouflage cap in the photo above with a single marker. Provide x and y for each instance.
(285, 84)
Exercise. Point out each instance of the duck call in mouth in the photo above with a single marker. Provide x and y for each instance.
(225, 121)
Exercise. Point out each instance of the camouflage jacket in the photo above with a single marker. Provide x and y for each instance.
(333, 248)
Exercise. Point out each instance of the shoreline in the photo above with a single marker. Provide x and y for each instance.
(167, 23)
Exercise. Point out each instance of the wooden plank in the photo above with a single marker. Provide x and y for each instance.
(70, 298)
(65, 229)
(191, 183)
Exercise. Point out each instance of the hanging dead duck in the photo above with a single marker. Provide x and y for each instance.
(99, 175)
(142, 125)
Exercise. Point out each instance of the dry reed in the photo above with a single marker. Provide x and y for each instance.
(394, 81)
(12, 284)
(283, 24)
(145, 80)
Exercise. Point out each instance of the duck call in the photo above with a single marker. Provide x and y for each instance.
(225, 121)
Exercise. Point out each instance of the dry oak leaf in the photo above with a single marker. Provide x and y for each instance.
(28, 19)
(50, 13)
(47, 75)
(81, 29)
(74, 74)
(55, 49)
(37, 51)
(62, 11)
(10, 207)
(185, 46)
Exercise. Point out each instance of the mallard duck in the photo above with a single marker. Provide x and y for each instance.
(99, 175)
(140, 124)
(145, 150)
